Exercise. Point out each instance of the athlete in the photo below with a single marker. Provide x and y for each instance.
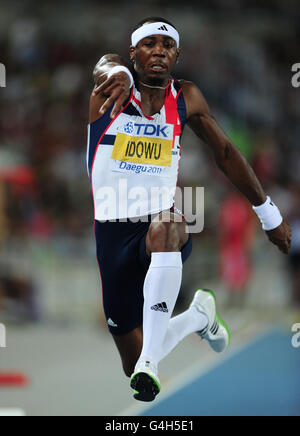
(137, 115)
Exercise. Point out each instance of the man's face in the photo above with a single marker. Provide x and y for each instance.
(155, 57)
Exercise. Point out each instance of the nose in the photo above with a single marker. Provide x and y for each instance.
(159, 50)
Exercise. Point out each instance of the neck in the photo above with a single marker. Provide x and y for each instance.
(153, 86)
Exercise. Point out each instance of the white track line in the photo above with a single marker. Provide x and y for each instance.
(12, 412)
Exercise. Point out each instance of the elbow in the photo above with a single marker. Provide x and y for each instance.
(108, 58)
(104, 62)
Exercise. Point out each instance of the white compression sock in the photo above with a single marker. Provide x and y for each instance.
(161, 289)
(190, 321)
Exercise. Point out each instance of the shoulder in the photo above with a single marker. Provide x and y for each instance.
(190, 90)
(194, 99)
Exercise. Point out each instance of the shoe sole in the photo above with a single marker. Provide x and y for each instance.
(220, 321)
(146, 387)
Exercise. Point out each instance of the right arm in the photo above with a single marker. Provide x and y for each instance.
(108, 91)
(230, 160)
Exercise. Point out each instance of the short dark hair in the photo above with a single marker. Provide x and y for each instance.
(152, 20)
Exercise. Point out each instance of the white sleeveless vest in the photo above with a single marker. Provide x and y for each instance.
(133, 160)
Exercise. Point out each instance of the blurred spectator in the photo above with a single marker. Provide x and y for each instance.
(236, 235)
(17, 298)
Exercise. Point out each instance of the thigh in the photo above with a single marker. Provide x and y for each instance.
(170, 226)
(185, 238)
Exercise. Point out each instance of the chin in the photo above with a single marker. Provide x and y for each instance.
(157, 79)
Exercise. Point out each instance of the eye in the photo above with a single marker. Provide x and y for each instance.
(169, 44)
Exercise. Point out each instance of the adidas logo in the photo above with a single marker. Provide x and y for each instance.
(163, 28)
(111, 323)
(161, 307)
(214, 329)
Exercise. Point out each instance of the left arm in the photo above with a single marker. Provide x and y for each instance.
(229, 158)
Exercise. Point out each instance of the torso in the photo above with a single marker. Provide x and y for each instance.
(140, 147)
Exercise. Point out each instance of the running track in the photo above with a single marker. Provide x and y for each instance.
(263, 379)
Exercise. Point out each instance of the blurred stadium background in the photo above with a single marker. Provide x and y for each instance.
(240, 53)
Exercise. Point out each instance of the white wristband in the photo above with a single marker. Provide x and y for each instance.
(118, 69)
(269, 215)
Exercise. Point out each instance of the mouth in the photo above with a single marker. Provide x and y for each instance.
(158, 67)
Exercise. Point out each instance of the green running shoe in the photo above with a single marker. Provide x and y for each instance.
(217, 332)
(145, 381)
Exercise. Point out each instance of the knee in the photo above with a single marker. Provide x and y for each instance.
(164, 237)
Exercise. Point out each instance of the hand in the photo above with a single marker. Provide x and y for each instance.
(117, 90)
(281, 236)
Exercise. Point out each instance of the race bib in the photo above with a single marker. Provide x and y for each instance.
(147, 150)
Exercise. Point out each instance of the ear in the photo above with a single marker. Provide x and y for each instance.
(178, 51)
(132, 52)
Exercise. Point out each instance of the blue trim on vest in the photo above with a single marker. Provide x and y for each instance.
(108, 139)
(96, 131)
(131, 110)
(177, 85)
(181, 108)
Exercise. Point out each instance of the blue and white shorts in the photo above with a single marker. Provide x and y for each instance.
(123, 264)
